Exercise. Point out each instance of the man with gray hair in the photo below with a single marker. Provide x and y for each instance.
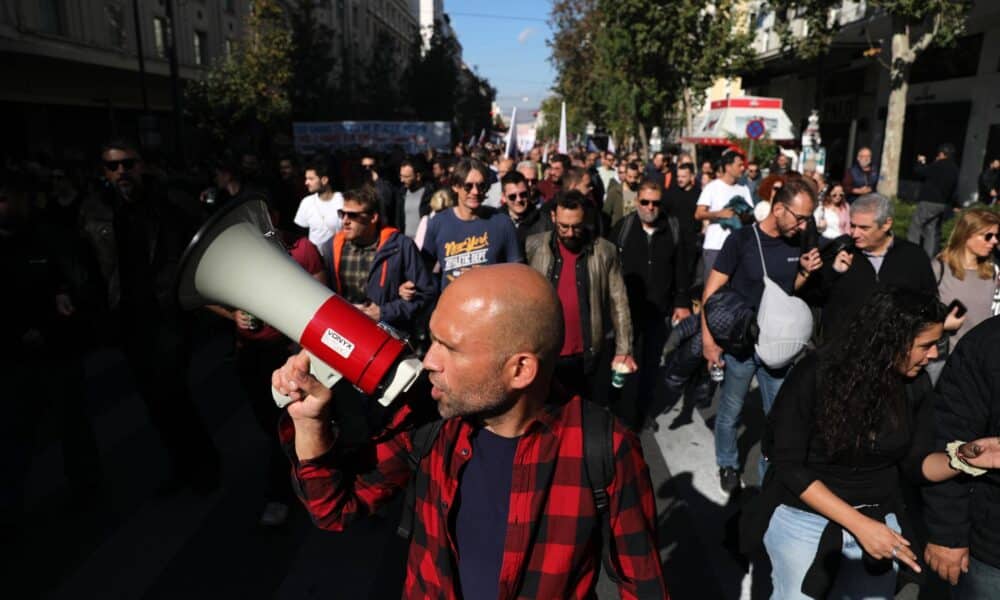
(872, 257)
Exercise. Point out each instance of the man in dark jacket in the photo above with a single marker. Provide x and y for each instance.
(138, 237)
(936, 198)
(963, 514)
(654, 252)
(370, 262)
(519, 205)
(877, 258)
(413, 198)
(384, 191)
(862, 177)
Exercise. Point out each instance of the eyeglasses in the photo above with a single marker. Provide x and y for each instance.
(481, 187)
(990, 236)
(518, 196)
(653, 203)
(565, 228)
(127, 163)
(799, 219)
(367, 167)
(840, 195)
(354, 215)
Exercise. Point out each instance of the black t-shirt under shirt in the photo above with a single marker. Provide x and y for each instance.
(481, 519)
(740, 260)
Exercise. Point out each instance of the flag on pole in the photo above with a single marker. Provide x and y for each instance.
(611, 145)
(472, 141)
(482, 136)
(563, 144)
(545, 153)
(591, 146)
(512, 135)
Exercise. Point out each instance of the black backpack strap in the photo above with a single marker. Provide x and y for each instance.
(422, 440)
(599, 461)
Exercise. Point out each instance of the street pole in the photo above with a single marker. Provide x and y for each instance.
(175, 86)
(142, 57)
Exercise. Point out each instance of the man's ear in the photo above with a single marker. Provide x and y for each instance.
(888, 225)
(521, 370)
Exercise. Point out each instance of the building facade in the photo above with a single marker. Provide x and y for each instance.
(954, 93)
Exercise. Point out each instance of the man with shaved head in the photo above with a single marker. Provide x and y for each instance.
(503, 508)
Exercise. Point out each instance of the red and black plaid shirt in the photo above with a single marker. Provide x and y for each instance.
(552, 546)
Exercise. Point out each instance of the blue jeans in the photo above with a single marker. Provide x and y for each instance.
(734, 391)
(982, 581)
(791, 541)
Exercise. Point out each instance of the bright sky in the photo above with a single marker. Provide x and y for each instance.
(505, 41)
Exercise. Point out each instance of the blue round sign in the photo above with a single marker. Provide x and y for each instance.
(755, 129)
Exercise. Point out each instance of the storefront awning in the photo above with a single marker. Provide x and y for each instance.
(729, 117)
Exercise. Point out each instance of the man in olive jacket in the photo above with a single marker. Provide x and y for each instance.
(587, 275)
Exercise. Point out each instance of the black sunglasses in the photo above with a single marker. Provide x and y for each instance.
(354, 215)
(520, 195)
(482, 187)
(656, 203)
(989, 236)
(127, 163)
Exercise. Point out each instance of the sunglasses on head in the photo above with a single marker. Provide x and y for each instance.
(655, 203)
(112, 165)
(518, 196)
(354, 215)
(481, 187)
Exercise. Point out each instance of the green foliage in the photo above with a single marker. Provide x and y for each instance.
(251, 85)
(312, 63)
(433, 80)
(552, 109)
(380, 81)
(475, 100)
(626, 63)
(764, 150)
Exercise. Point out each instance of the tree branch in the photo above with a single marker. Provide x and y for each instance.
(927, 37)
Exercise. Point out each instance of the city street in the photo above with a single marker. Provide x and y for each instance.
(137, 544)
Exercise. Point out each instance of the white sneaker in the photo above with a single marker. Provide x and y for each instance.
(275, 513)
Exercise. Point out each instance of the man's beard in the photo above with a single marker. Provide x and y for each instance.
(573, 244)
(488, 400)
(648, 218)
(631, 185)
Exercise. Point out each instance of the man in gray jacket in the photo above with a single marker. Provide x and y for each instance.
(587, 275)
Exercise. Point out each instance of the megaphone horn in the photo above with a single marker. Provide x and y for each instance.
(236, 259)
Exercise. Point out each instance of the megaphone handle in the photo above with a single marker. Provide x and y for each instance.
(320, 370)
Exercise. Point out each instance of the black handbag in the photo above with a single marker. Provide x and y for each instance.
(732, 323)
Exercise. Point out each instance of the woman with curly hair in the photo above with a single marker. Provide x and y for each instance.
(848, 420)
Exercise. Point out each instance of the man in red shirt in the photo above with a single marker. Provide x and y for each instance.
(586, 272)
(503, 508)
(553, 183)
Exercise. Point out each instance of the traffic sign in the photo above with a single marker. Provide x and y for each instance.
(755, 129)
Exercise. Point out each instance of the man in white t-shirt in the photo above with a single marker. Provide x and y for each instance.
(712, 205)
(318, 211)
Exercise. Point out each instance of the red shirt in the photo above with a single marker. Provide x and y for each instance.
(305, 253)
(570, 299)
(551, 547)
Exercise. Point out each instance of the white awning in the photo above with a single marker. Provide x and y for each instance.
(729, 117)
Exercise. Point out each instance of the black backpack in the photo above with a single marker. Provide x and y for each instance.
(598, 459)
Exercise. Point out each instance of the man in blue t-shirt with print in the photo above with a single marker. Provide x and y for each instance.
(739, 265)
(471, 234)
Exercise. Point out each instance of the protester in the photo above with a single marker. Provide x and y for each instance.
(414, 198)
(440, 200)
(989, 183)
(552, 184)
(318, 211)
(713, 202)
(655, 255)
(861, 178)
(937, 195)
(751, 180)
(138, 271)
(833, 217)
(848, 421)
(875, 258)
(440, 170)
(621, 199)
(505, 425)
(741, 266)
(470, 234)
(681, 201)
(385, 192)
(585, 271)
(518, 205)
(966, 271)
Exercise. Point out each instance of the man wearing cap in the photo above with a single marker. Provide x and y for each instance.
(772, 244)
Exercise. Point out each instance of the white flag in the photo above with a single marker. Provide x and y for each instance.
(563, 145)
(512, 135)
(611, 145)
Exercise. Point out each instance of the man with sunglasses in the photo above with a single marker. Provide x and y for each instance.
(655, 255)
(529, 171)
(138, 234)
(587, 275)
(470, 234)
(520, 207)
(739, 265)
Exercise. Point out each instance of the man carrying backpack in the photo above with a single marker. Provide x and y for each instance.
(504, 504)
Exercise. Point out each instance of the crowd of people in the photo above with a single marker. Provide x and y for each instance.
(533, 286)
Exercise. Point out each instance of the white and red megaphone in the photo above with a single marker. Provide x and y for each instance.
(237, 259)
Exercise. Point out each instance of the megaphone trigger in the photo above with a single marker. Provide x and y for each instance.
(318, 369)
